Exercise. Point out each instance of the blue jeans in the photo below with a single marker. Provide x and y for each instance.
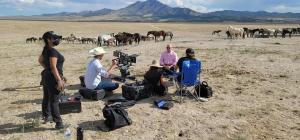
(107, 85)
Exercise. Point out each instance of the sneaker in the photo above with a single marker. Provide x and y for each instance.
(203, 99)
(59, 125)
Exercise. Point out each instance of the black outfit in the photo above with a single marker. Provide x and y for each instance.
(152, 81)
(180, 62)
(51, 94)
(170, 71)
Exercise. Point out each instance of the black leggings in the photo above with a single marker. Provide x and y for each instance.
(50, 98)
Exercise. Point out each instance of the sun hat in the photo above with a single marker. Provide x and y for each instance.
(97, 51)
(155, 64)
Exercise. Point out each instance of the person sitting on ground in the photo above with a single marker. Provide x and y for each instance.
(154, 79)
(168, 60)
(95, 71)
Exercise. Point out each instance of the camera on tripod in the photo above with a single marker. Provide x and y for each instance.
(124, 62)
(124, 59)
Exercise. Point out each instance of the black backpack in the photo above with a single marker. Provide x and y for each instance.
(116, 117)
(205, 90)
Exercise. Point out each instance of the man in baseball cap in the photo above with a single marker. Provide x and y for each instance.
(95, 71)
(190, 55)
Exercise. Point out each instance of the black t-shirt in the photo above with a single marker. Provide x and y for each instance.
(52, 52)
(153, 76)
(180, 62)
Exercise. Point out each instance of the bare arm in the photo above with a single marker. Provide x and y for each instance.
(111, 69)
(161, 80)
(41, 61)
(53, 62)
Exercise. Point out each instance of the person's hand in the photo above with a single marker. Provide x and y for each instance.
(60, 85)
(167, 67)
(114, 62)
(64, 79)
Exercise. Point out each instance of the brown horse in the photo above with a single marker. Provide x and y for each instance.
(124, 38)
(157, 34)
(216, 32)
(31, 39)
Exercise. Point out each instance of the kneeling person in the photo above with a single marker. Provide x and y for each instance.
(95, 71)
(154, 79)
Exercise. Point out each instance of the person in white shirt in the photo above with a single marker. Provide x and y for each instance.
(95, 71)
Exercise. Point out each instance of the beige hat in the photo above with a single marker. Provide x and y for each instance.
(155, 64)
(97, 51)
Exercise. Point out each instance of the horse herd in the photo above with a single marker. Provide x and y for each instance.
(235, 33)
(121, 38)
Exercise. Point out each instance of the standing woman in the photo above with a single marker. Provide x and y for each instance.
(52, 78)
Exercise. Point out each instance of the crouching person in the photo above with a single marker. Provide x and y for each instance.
(95, 71)
(154, 80)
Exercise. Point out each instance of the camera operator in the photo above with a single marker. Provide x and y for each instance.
(52, 78)
(95, 71)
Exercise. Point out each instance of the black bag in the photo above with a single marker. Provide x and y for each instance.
(205, 90)
(92, 94)
(134, 91)
(81, 78)
(68, 104)
(121, 102)
(116, 117)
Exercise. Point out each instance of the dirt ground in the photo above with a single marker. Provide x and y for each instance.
(255, 82)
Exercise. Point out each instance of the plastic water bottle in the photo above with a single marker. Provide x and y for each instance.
(79, 133)
(68, 134)
(203, 99)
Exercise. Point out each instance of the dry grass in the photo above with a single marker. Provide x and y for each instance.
(255, 83)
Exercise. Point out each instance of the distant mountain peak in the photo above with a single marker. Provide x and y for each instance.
(154, 10)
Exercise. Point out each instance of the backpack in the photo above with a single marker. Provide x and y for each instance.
(116, 117)
(205, 90)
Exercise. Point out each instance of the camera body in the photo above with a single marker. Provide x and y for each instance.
(124, 59)
(124, 62)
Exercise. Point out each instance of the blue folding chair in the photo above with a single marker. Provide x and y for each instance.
(190, 77)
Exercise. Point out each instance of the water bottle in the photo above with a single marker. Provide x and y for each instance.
(68, 134)
(79, 133)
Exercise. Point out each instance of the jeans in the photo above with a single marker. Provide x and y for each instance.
(107, 85)
(168, 72)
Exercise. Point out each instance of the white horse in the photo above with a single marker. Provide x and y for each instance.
(105, 39)
(271, 31)
(277, 31)
(236, 32)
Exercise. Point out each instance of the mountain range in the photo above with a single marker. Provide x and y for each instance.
(155, 11)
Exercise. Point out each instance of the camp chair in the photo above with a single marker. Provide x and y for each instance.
(190, 78)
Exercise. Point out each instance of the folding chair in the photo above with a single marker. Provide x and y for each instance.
(189, 78)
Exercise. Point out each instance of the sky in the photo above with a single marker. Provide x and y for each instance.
(37, 7)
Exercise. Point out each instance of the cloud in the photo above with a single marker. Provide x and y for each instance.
(54, 3)
(26, 1)
(34, 7)
(283, 9)
(197, 5)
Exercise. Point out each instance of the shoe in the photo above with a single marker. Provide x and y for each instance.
(203, 99)
(45, 120)
(59, 125)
